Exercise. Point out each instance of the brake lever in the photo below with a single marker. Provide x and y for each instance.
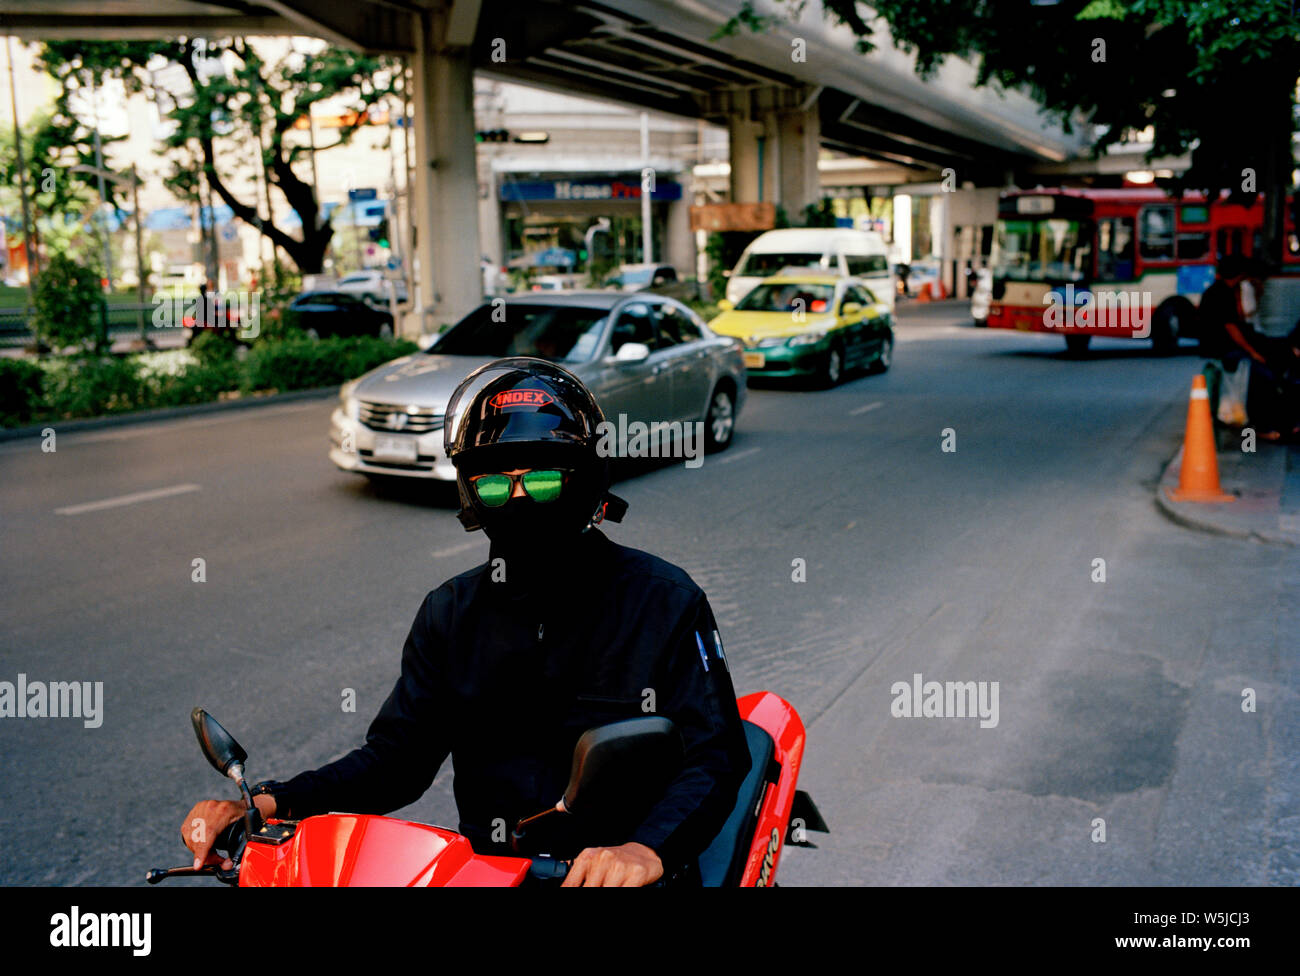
(231, 877)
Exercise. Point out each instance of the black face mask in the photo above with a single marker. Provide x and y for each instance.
(537, 540)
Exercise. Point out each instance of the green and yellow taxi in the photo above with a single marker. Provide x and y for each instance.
(814, 325)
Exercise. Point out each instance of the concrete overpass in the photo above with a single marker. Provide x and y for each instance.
(782, 93)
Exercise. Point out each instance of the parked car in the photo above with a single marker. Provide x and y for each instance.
(860, 254)
(554, 282)
(371, 284)
(658, 278)
(645, 358)
(810, 325)
(334, 313)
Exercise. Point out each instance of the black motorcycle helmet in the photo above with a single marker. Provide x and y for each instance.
(529, 413)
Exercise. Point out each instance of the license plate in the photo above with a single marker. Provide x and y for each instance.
(390, 448)
(754, 360)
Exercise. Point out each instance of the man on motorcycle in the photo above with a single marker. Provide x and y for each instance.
(508, 664)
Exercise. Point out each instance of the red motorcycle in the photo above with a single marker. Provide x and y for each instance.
(362, 850)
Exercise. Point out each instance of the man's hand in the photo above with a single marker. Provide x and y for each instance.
(625, 866)
(209, 818)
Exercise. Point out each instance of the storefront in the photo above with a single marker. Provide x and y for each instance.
(596, 216)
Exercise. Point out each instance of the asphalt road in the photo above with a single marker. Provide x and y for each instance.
(1118, 701)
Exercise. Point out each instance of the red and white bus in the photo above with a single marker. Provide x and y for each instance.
(1123, 263)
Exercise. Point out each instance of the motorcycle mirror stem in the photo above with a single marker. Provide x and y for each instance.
(227, 757)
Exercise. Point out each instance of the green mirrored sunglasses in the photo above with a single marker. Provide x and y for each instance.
(494, 490)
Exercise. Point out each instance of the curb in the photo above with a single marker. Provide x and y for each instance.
(167, 413)
(1172, 512)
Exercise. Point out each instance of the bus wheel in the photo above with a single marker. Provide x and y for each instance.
(1077, 345)
(1166, 327)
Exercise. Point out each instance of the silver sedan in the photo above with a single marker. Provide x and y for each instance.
(649, 360)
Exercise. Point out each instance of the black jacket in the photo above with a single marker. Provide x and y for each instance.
(505, 676)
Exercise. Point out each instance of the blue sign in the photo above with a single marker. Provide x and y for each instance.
(1194, 278)
(362, 195)
(555, 257)
(599, 190)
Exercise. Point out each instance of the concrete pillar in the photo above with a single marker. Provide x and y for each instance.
(679, 240)
(445, 174)
(743, 135)
(798, 142)
(775, 137)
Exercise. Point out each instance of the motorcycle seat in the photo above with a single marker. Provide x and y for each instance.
(723, 863)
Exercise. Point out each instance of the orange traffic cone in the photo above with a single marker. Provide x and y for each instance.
(924, 295)
(1198, 478)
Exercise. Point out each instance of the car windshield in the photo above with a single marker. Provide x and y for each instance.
(788, 296)
(766, 264)
(1039, 250)
(560, 333)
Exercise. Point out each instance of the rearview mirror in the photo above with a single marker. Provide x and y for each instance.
(218, 745)
(632, 352)
(612, 758)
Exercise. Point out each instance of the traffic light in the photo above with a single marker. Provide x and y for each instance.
(380, 234)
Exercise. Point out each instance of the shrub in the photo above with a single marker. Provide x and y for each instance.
(213, 345)
(200, 382)
(301, 363)
(90, 387)
(67, 304)
(21, 388)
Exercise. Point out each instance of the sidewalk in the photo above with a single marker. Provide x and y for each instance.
(1266, 484)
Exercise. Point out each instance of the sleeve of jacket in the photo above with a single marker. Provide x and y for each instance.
(698, 696)
(405, 744)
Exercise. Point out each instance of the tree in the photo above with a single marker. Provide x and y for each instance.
(67, 304)
(1216, 78)
(233, 110)
(52, 146)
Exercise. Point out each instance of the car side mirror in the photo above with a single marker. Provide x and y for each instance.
(726, 305)
(608, 759)
(632, 352)
(851, 308)
(218, 745)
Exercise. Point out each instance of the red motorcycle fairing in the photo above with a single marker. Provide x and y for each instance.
(778, 718)
(365, 850)
(343, 850)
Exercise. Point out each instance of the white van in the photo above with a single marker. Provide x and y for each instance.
(860, 253)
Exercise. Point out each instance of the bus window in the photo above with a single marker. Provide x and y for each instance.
(1228, 240)
(1115, 249)
(1193, 246)
(1042, 250)
(1157, 236)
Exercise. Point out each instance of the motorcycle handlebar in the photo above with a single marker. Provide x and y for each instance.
(229, 839)
(548, 869)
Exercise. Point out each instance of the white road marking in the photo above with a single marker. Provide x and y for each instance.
(120, 500)
(452, 550)
(865, 407)
(736, 457)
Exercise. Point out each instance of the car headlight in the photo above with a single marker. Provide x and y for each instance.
(805, 339)
(350, 404)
